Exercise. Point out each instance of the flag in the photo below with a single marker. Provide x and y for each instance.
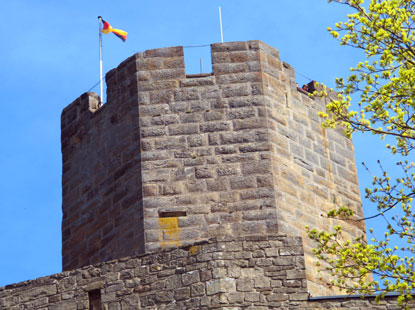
(119, 33)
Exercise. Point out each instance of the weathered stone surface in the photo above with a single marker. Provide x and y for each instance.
(181, 278)
(171, 160)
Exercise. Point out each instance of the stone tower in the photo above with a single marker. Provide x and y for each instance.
(172, 159)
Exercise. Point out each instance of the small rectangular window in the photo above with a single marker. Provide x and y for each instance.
(172, 213)
(94, 299)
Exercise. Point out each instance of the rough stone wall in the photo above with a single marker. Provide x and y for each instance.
(173, 159)
(314, 169)
(101, 181)
(206, 166)
(248, 272)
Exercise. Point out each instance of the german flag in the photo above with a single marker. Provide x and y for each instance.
(107, 29)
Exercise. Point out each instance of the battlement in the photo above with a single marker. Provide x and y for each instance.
(172, 159)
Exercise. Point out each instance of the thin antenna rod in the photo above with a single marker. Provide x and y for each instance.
(201, 66)
(100, 59)
(220, 19)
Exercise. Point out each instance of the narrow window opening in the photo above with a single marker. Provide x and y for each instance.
(94, 299)
(172, 213)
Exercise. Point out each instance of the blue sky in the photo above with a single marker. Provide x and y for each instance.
(49, 57)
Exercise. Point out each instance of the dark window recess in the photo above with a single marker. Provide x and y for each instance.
(172, 213)
(94, 299)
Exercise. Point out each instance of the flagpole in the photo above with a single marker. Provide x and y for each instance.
(220, 19)
(100, 59)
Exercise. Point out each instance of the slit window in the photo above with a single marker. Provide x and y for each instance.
(163, 214)
(94, 299)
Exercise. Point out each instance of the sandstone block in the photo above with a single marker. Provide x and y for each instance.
(168, 74)
(231, 46)
(236, 90)
(197, 140)
(63, 305)
(338, 159)
(173, 282)
(149, 63)
(257, 193)
(169, 143)
(204, 173)
(244, 77)
(217, 185)
(237, 137)
(190, 117)
(216, 286)
(154, 85)
(174, 51)
(236, 297)
(185, 129)
(199, 81)
(186, 94)
(226, 68)
(214, 127)
(182, 293)
(255, 147)
(245, 285)
(227, 170)
(173, 62)
(242, 182)
(249, 123)
(153, 110)
(192, 220)
(241, 113)
(256, 167)
(167, 296)
(197, 289)
(213, 116)
(252, 296)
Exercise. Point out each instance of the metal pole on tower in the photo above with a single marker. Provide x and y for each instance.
(220, 20)
(100, 58)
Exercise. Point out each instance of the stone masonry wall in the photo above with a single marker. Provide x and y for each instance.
(248, 272)
(314, 170)
(205, 172)
(173, 159)
(101, 182)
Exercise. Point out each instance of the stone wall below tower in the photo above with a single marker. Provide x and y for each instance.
(238, 273)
